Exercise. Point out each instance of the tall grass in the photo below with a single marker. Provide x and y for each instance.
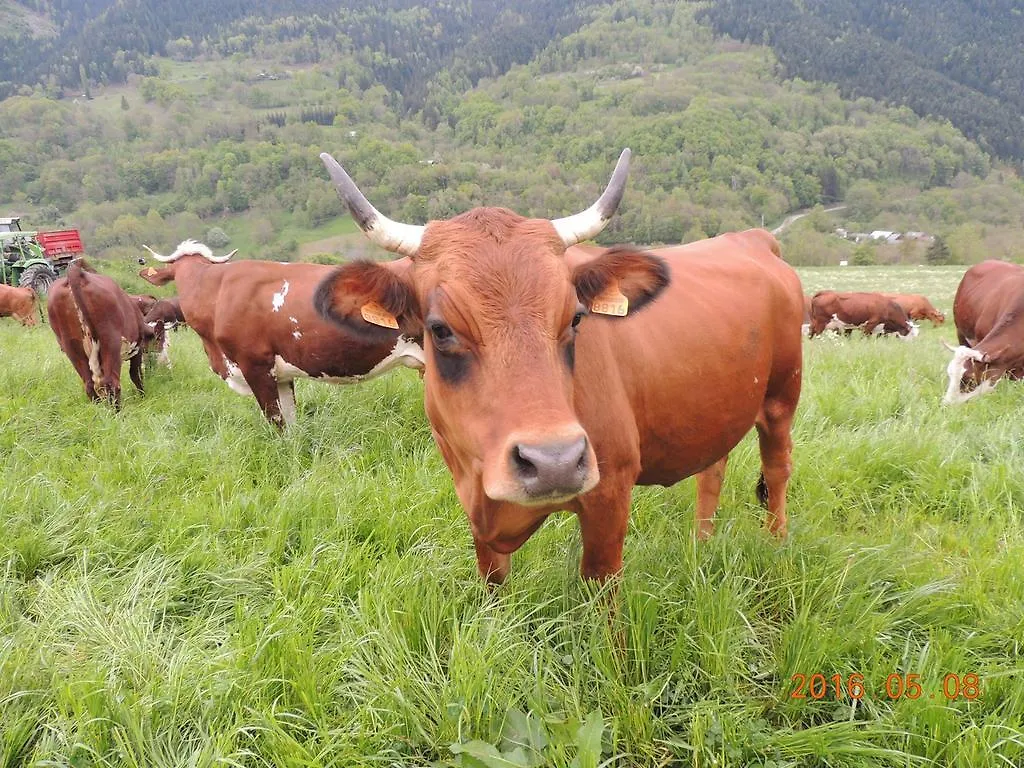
(181, 586)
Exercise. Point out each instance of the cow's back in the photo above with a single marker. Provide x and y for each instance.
(694, 367)
(987, 293)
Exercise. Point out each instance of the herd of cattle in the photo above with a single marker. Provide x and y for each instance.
(556, 376)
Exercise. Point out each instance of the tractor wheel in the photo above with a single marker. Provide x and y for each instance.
(38, 277)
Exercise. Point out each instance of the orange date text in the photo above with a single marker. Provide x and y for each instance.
(839, 687)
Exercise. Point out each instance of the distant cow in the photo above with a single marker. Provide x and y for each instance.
(260, 330)
(558, 381)
(871, 312)
(19, 303)
(98, 325)
(166, 315)
(917, 307)
(989, 315)
(166, 311)
(144, 301)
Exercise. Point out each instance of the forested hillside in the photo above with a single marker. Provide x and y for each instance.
(400, 44)
(952, 58)
(221, 139)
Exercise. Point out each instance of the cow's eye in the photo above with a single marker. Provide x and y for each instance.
(442, 335)
(577, 318)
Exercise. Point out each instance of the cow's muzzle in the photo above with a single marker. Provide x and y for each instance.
(552, 470)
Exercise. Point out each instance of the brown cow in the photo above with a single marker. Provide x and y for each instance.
(542, 398)
(988, 311)
(917, 307)
(19, 303)
(144, 301)
(871, 312)
(167, 314)
(257, 323)
(98, 325)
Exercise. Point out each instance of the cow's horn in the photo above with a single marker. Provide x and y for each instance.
(583, 226)
(948, 346)
(390, 235)
(222, 259)
(157, 256)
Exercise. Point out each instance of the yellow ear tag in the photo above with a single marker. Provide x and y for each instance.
(611, 301)
(373, 312)
(151, 271)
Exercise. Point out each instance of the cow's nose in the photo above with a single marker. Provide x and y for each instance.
(552, 469)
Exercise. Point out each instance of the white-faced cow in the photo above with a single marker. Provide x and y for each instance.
(260, 330)
(988, 311)
(97, 326)
(558, 381)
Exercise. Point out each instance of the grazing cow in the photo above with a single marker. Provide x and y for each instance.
(542, 397)
(871, 312)
(917, 307)
(144, 301)
(988, 311)
(98, 325)
(19, 303)
(257, 323)
(165, 313)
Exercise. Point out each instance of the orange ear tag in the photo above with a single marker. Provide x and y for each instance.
(151, 271)
(374, 313)
(611, 301)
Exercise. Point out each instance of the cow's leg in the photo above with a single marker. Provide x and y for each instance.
(773, 432)
(709, 488)
(869, 327)
(135, 371)
(286, 401)
(80, 360)
(216, 358)
(493, 566)
(265, 389)
(604, 516)
(109, 351)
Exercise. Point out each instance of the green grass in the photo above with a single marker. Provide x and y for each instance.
(181, 586)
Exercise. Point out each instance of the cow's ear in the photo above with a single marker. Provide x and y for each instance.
(603, 281)
(157, 276)
(370, 298)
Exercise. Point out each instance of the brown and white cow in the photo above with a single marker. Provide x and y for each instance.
(144, 301)
(260, 330)
(917, 307)
(97, 326)
(988, 311)
(19, 303)
(541, 397)
(167, 314)
(873, 313)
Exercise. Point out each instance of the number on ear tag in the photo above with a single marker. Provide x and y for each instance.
(373, 312)
(611, 301)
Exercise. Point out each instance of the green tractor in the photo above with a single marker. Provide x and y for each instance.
(35, 259)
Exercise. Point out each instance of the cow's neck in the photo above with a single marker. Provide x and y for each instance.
(188, 273)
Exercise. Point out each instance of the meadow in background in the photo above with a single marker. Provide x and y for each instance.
(179, 585)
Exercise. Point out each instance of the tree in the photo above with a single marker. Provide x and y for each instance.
(938, 252)
(863, 256)
(124, 102)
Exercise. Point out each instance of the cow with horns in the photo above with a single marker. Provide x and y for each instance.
(260, 331)
(557, 379)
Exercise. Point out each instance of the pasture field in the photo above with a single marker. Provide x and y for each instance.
(180, 586)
